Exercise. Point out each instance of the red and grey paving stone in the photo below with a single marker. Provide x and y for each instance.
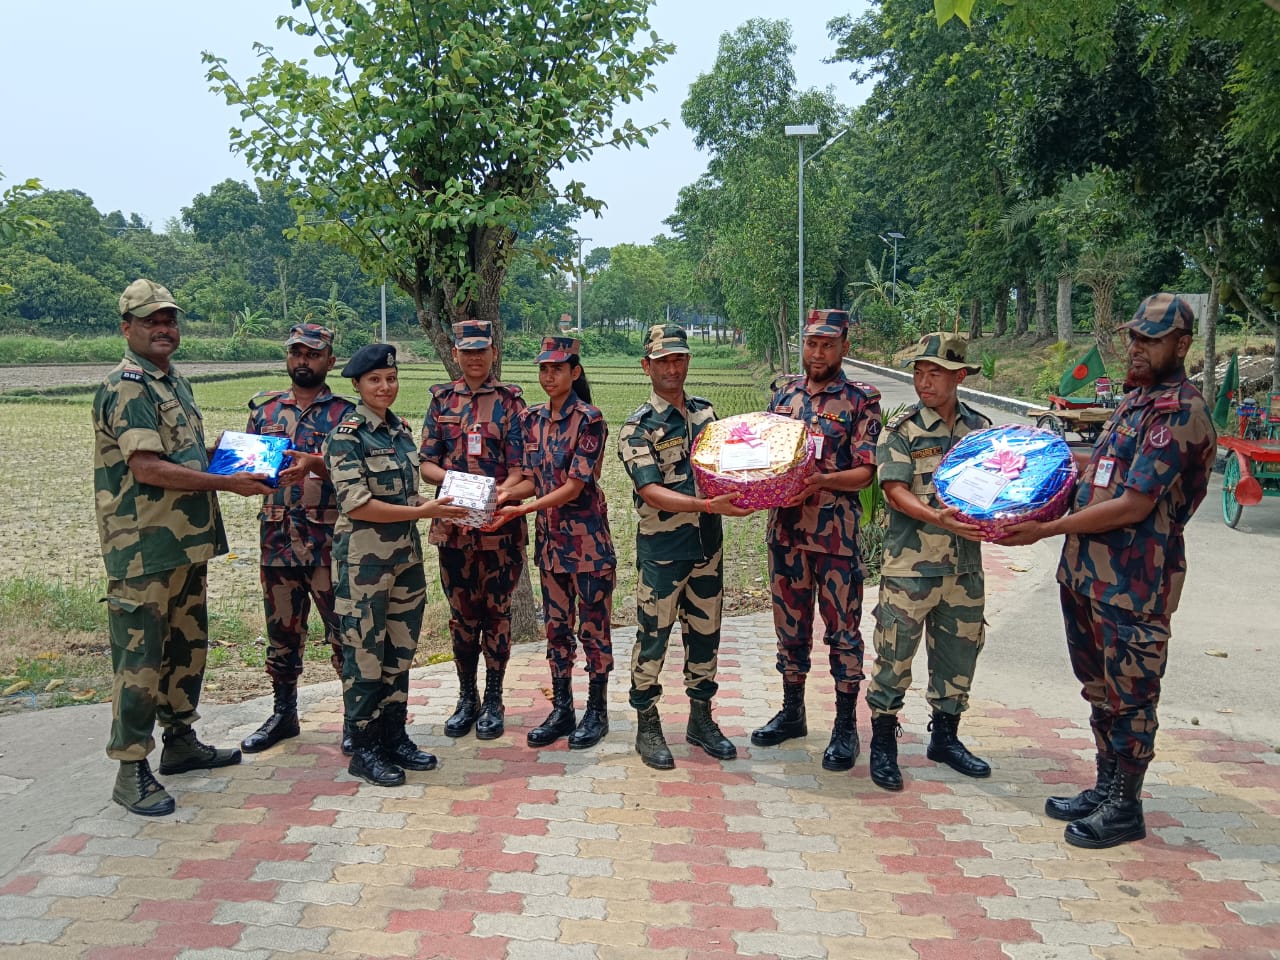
(507, 852)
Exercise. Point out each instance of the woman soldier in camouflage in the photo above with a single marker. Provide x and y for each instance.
(380, 587)
(563, 440)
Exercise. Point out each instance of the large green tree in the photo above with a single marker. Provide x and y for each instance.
(425, 135)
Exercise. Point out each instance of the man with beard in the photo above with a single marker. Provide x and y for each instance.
(296, 526)
(158, 520)
(1124, 562)
(813, 540)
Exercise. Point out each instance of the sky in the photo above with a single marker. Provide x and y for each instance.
(110, 98)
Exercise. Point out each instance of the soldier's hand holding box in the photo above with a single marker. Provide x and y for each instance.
(479, 495)
(252, 453)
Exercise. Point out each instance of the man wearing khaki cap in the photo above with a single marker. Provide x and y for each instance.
(159, 524)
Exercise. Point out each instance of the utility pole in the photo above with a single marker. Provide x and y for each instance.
(580, 240)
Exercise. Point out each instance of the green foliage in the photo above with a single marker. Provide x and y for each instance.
(1056, 360)
(989, 365)
(63, 607)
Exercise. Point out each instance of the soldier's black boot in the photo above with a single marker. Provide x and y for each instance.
(704, 732)
(346, 744)
(281, 725)
(183, 751)
(945, 747)
(464, 714)
(368, 759)
(138, 791)
(842, 751)
(650, 743)
(1119, 819)
(789, 722)
(595, 719)
(396, 745)
(492, 720)
(562, 718)
(884, 752)
(1088, 800)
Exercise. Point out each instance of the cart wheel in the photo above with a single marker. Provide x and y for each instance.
(1231, 508)
(1047, 421)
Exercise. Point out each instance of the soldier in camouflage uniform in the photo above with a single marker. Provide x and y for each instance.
(813, 541)
(931, 575)
(678, 550)
(380, 588)
(472, 426)
(296, 525)
(1124, 562)
(564, 442)
(158, 520)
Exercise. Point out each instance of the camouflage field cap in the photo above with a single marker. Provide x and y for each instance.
(559, 349)
(946, 350)
(376, 356)
(1162, 314)
(826, 323)
(473, 335)
(311, 335)
(664, 339)
(142, 298)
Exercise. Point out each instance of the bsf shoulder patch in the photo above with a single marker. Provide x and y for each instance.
(895, 422)
(350, 425)
(132, 373)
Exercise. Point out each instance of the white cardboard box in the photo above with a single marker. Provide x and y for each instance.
(478, 494)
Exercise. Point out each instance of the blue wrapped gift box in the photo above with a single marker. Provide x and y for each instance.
(251, 453)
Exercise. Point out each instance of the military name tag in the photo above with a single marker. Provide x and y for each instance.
(170, 404)
(273, 428)
(926, 452)
(667, 444)
(382, 452)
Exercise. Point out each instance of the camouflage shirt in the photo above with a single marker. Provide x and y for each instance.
(370, 458)
(654, 446)
(558, 446)
(492, 413)
(146, 529)
(1161, 443)
(911, 446)
(296, 523)
(845, 415)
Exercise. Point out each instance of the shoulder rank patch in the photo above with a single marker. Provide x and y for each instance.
(897, 421)
(667, 444)
(260, 399)
(640, 411)
(1167, 402)
(349, 425)
(926, 452)
(440, 389)
(868, 390)
(784, 379)
(512, 388)
(698, 403)
(132, 373)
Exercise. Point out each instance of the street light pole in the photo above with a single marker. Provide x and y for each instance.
(580, 239)
(893, 294)
(800, 131)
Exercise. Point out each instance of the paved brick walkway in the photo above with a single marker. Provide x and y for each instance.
(507, 852)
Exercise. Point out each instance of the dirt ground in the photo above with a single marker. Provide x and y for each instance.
(45, 376)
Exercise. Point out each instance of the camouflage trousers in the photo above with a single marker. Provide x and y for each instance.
(380, 609)
(159, 626)
(1119, 657)
(795, 576)
(592, 594)
(951, 608)
(478, 585)
(665, 590)
(287, 593)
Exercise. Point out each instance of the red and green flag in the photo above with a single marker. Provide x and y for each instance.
(1087, 370)
(1226, 393)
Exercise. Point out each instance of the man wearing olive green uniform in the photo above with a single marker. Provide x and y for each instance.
(931, 575)
(158, 520)
(678, 553)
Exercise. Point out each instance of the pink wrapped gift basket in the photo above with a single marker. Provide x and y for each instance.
(765, 458)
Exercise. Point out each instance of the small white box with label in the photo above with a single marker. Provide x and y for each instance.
(478, 494)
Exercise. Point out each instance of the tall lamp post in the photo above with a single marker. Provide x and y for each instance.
(893, 294)
(800, 131)
(580, 240)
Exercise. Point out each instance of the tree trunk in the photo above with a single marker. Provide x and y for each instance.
(1209, 325)
(1064, 308)
(1103, 322)
(1043, 330)
(282, 270)
(780, 333)
(1022, 315)
(1000, 313)
(975, 318)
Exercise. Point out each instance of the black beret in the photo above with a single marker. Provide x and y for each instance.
(376, 356)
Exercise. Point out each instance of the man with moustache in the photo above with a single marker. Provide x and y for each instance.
(296, 526)
(1124, 562)
(158, 520)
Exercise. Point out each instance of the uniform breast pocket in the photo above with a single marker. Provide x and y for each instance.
(384, 476)
(925, 468)
(176, 429)
(673, 465)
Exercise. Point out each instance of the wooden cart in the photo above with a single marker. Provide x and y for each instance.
(1085, 421)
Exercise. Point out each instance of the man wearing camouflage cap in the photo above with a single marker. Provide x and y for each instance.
(296, 526)
(158, 520)
(678, 550)
(931, 572)
(1124, 562)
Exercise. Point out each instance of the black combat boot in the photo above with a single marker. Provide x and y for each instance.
(183, 751)
(842, 751)
(789, 722)
(369, 761)
(562, 718)
(704, 732)
(491, 722)
(595, 719)
(650, 743)
(464, 714)
(281, 725)
(396, 745)
(138, 791)
(346, 743)
(1086, 801)
(884, 752)
(1119, 819)
(945, 747)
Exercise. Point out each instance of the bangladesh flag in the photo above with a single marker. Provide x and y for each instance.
(1226, 393)
(1076, 378)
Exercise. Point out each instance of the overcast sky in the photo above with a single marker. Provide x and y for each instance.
(109, 97)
